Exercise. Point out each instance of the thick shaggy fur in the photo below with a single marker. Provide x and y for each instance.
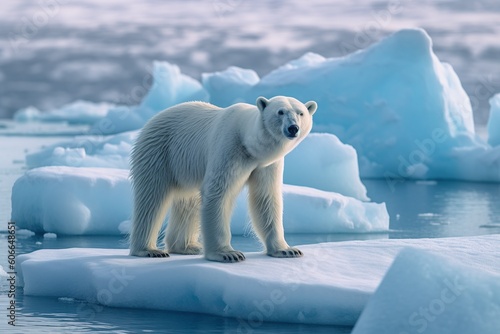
(195, 158)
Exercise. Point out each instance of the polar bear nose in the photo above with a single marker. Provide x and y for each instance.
(293, 130)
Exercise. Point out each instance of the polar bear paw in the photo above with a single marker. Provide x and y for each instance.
(287, 252)
(151, 253)
(226, 256)
(193, 249)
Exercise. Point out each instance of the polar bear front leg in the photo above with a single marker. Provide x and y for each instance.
(218, 195)
(265, 202)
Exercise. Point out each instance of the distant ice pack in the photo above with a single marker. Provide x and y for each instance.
(403, 110)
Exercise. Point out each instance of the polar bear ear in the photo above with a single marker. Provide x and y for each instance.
(311, 106)
(262, 103)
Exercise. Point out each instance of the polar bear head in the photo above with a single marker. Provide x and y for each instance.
(286, 117)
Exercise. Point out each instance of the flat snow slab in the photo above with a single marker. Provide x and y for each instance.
(331, 284)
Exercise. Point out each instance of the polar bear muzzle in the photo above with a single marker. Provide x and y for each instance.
(292, 131)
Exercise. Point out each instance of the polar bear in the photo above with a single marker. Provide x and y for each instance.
(196, 157)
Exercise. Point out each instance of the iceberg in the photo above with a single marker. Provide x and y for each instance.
(170, 87)
(426, 292)
(494, 121)
(235, 79)
(309, 210)
(89, 200)
(78, 112)
(323, 162)
(404, 111)
(330, 285)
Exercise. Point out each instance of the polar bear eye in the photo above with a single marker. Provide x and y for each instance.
(280, 112)
(301, 114)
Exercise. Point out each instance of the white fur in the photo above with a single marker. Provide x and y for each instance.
(196, 157)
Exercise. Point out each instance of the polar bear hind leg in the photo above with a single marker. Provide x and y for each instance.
(148, 219)
(183, 229)
(152, 199)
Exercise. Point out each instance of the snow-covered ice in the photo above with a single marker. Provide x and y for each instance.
(494, 121)
(88, 200)
(331, 284)
(321, 161)
(427, 293)
(75, 201)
